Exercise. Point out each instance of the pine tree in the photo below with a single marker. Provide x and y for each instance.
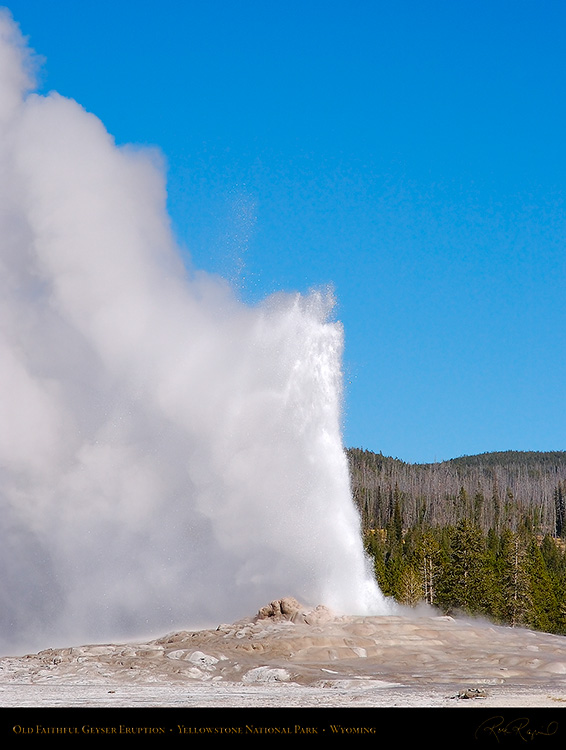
(513, 580)
(466, 580)
(543, 613)
(410, 589)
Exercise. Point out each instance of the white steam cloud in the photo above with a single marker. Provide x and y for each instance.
(169, 457)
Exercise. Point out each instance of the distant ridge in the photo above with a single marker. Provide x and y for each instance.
(491, 457)
(509, 457)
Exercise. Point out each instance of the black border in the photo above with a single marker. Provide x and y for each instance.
(479, 726)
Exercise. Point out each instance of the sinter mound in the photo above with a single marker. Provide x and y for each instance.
(316, 655)
(289, 608)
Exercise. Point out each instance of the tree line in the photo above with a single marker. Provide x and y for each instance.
(482, 535)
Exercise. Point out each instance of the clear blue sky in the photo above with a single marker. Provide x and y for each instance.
(410, 153)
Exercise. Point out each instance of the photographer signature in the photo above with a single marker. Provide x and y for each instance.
(521, 728)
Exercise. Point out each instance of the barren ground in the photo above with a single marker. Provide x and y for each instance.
(299, 658)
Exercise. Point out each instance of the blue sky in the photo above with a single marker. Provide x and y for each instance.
(411, 154)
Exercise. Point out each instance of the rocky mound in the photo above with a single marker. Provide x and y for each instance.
(289, 608)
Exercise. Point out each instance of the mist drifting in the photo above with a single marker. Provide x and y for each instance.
(168, 456)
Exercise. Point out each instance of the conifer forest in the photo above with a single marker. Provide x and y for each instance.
(478, 535)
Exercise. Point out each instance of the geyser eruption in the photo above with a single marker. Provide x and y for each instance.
(169, 457)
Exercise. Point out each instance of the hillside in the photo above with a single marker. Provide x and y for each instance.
(494, 490)
(480, 534)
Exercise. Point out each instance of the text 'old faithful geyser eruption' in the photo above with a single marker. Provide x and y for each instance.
(168, 456)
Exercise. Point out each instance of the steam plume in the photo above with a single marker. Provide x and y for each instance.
(168, 456)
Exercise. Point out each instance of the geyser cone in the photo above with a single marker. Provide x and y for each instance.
(168, 456)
